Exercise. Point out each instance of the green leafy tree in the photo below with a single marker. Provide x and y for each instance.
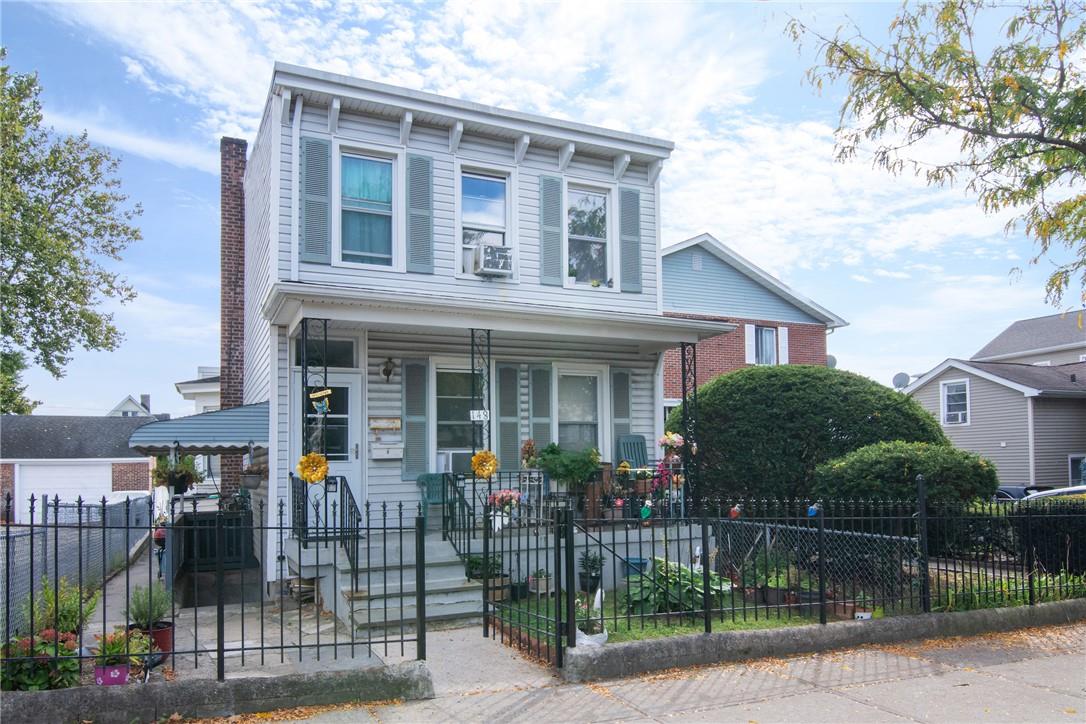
(762, 431)
(13, 399)
(62, 219)
(1016, 104)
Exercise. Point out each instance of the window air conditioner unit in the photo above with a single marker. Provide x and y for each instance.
(493, 261)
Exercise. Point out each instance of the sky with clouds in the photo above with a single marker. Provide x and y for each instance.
(921, 274)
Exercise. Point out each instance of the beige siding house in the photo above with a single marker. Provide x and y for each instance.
(1029, 420)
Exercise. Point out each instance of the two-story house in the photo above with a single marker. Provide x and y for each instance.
(1020, 400)
(706, 280)
(408, 237)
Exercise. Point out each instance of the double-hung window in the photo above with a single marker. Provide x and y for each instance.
(765, 345)
(366, 210)
(578, 411)
(955, 402)
(587, 232)
(484, 214)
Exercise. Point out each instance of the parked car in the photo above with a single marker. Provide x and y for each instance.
(1007, 493)
(1069, 490)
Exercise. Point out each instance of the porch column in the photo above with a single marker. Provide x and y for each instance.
(688, 354)
(480, 392)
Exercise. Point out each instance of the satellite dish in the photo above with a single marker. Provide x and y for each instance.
(901, 380)
(831, 361)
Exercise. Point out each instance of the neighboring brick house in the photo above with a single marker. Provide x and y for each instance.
(705, 280)
(69, 457)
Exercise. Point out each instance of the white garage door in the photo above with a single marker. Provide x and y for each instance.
(66, 480)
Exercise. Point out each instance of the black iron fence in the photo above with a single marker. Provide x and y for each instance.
(552, 580)
(202, 586)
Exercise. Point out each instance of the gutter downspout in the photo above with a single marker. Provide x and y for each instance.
(658, 400)
(1032, 454)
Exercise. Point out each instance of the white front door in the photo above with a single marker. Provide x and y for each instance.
(342, 429)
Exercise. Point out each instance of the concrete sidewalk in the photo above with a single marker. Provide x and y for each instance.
(1036, 675)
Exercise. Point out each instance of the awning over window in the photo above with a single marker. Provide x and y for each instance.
(232, 430)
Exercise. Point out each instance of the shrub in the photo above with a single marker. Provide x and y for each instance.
(574, 469)
(888, 470)
(60, 609)
(1055, 528)
(148, 605)
(50, 661)
(763, 430)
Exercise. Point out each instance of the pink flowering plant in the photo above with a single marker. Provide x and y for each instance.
(504, 499)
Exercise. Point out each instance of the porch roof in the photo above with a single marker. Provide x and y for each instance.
(234, 429)
(290, 302)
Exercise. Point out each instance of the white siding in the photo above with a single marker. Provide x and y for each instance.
(1059, 428)
(434, 142)
(997, 426)
(258, 259)
(384, 476)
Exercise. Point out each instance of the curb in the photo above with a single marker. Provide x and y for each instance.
(613, 661)
(198, 698)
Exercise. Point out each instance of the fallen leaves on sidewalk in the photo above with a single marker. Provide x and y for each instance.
(299, 713)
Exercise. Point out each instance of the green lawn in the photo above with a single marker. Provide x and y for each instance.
(537, 615)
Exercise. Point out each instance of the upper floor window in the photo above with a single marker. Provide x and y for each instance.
(955, 396)
(484, 214)
(765, 345)
(366, 210)
(587, 227)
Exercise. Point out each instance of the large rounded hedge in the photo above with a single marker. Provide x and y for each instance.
(762, 431)
(888, 470)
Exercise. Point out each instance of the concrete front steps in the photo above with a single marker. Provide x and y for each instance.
(381, 592)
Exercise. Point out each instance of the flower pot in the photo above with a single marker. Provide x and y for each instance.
(159, 536)
(111, 674)
(160, 633)
(498, 588)
(643, 486)
(251, 482)
(540, 585)
(519, 591)
(588, 582)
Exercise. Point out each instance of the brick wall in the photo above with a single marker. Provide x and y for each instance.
(132, 476)
(232, 294)
(7, 487)
(727, 352)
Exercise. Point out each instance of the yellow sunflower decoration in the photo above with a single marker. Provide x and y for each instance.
(484, 464)
(313, 467)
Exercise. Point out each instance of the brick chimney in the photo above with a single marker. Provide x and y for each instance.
(145, 401)
(232, 293)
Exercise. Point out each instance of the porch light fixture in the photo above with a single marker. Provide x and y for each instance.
(388, 368)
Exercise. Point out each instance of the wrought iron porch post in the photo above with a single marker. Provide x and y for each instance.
(688, 353)
(480, 388)
(320, 377)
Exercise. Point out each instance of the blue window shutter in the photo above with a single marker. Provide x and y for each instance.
(416, 447)
(629, 239)
(508, 389)
(620, 403)
(539, 400)
(316, 176)
(420, 214)
(550, 231)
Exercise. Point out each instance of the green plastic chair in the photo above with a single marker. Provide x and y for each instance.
(633, 450)
(429, 491)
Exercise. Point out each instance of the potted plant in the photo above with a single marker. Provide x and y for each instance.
(529, 455)
(148, 608)
(491, 570)
(253, 475)
(115, 654)
(539, 582)
(179, 475)
(571, 469)
(588, 579)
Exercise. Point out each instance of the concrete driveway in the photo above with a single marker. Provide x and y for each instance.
(1037, 675)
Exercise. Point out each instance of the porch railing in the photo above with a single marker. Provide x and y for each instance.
(321, 516)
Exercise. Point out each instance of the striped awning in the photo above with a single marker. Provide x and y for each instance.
(231, 430)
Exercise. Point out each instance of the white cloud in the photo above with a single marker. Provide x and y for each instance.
(860, 278)
(106, 133)
(887, 274)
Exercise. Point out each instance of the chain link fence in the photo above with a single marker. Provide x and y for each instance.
(83, 544)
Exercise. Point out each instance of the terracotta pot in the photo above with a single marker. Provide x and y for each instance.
(111, 674)
(160, 633)
(251, 482)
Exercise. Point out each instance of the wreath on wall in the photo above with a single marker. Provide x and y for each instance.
(484, 464)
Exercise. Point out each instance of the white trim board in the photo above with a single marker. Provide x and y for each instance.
(964, 367)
